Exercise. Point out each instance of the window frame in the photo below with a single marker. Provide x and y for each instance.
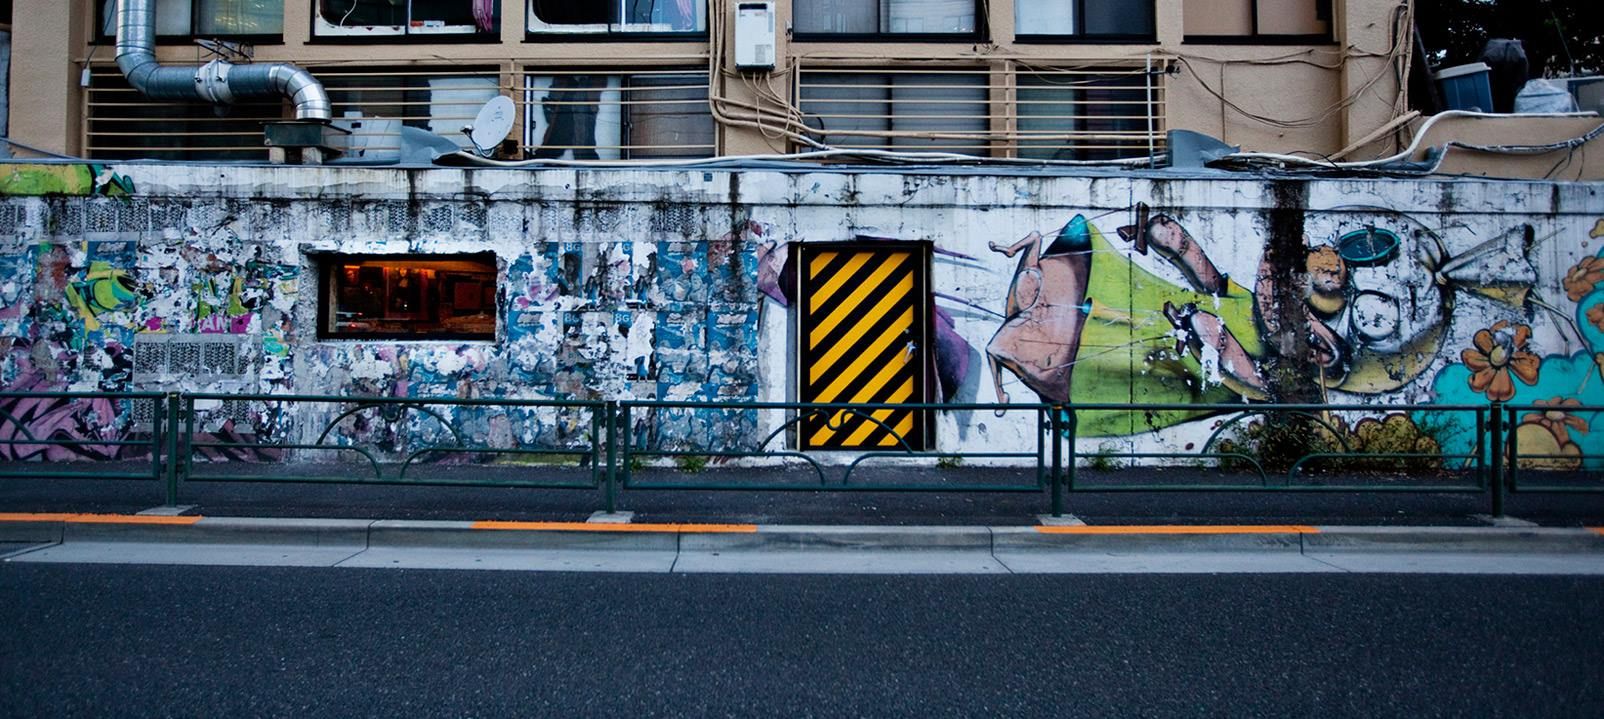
(412, 79)
(326, 263)
(1033, 82)
(100, 37)
(1254, 37)
(982, 31)
(533, 36)
(1081, 37)
(988, 147)
(527, 129)
(402, 38)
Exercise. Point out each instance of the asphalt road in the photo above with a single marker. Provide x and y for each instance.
(208, 641)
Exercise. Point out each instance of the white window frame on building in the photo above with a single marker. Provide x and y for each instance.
(904, 20)
(391, 19)
(1257, 22)
(1059, 21)
(945, 110)
(184, 20)
(439, 99)
(613, 114)
(556, 20)
(1087, 113)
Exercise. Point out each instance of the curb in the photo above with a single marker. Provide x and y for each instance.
(1376, 540)
(361, 534)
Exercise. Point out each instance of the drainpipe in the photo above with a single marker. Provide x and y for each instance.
(217, 81)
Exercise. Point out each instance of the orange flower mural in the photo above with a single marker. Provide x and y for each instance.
(1595, 314)
(1544, 439)
(1582, 277)
(1558, 418)
(1499, 352)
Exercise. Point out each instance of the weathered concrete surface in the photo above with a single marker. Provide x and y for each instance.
(669, 284)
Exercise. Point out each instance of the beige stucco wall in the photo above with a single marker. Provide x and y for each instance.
(1300, 93)
(45, 97)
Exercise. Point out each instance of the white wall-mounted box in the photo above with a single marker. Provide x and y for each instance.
(754, 36)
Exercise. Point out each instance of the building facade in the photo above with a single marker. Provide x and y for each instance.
(1022, 283)
(655, 79)
(730, 287)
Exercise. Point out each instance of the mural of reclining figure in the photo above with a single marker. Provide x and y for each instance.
(1067, 313)
(1078, 305)
(1047, 307)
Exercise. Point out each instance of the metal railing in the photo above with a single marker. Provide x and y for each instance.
(121, 123)
(615, 447)
(1099, 112)
(1004, 109)
(599, 114)
(772, 422)
(1549, 453)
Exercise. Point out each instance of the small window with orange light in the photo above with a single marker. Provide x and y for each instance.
(408, 297)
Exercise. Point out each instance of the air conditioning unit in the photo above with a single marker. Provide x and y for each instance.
(754, 36)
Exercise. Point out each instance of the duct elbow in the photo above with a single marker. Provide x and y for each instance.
(217, 81)
(310, 98)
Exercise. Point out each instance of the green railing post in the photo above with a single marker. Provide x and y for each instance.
(610, 410)
(158, 412)
(1496, 420)
(1071, 427)
(1058, 462)
(1512, 455)
(625, 445)
(1481, 449)
(172, 449)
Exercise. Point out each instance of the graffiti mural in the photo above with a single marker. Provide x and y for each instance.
(1504, 362)
(63, 179)
(678, 286)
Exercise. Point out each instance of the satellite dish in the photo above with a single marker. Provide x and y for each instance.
(491, 126)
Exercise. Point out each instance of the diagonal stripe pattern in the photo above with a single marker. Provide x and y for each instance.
(861, 309)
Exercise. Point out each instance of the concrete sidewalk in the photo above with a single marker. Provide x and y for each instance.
(258, 499)
(788, 549)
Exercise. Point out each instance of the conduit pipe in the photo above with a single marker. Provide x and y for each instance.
(217, 81)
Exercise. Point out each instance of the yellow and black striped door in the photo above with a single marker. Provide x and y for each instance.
(863, 331)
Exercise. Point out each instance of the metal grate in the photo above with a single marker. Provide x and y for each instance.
(1065, 113)
(121, 123)
(585, 115)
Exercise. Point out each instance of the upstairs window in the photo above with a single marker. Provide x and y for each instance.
(122, 123)
(1258, 21)
(581, 115)
(395, 18)
(440, 100)
(184, 19)
(623, 17)
(1104, 20)
(910, 110)
(825, 19)
(1097, 113)
(408, 297)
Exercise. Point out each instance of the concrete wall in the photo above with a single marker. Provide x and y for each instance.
(1338, 291)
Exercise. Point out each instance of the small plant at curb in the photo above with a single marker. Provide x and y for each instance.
(949, 462)
(1103, 461)
(690, 463)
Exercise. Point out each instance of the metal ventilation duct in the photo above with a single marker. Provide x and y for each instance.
(217, 81)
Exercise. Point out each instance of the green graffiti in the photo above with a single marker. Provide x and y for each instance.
(81, 179)
(102, 290)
